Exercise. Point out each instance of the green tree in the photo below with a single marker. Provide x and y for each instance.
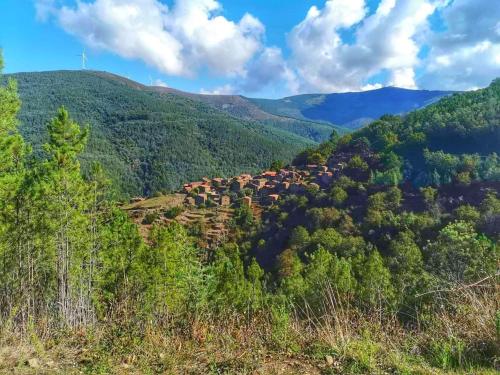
(405, 263)
(229, 288)
(277, 165)
(460, 254)
(255, 276)
(15, 257)
(327, 238)
(338, 195)
(171, 273)
(63, 197)
(374, 288)
(326, 274)
(299, 239)
(290, 268)
(467, 213)
(357, 162)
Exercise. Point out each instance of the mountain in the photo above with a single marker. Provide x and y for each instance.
(313, 115)
(353, 109)
(149, 141)
(245, 109)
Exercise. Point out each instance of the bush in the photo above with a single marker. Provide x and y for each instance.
(173, 212)
(338, 195)
(150, 218)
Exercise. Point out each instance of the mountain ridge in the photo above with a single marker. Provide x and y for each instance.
(352, 109)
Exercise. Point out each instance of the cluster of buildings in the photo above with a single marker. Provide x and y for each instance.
(266, 187)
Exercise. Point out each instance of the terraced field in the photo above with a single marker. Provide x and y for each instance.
(210, 223)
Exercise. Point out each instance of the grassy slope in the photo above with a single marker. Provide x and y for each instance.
(149, 141)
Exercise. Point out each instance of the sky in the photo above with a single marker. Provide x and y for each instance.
(261, 48)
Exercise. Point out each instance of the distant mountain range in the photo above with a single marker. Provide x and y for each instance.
(352, 109)
(343, 111)
(245, 109)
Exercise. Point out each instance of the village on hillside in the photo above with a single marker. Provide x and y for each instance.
(209, 204)
(263, 189)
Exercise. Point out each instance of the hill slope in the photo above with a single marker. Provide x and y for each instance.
(149, 141)
(436, 138)
(245, 109)
(352, 109)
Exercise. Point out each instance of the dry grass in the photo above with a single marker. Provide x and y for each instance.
(161, 202)
(461, 338)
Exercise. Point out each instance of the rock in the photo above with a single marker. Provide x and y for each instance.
(329, 360)
(33, 363)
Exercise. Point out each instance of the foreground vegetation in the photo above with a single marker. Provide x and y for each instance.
(367, 277)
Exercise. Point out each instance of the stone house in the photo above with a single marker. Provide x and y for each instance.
(271, 198)
(237, 184)
(205, 188)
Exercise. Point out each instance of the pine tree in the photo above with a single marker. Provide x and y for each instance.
(374, 287)
(14, 263)
(63, 198)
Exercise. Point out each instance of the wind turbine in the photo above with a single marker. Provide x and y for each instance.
(83, 55)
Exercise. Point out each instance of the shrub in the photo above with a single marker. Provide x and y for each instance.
(150, 218)
(173, 212)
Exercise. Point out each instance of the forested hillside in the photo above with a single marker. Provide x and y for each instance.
(145, 140)
(456, 138)
(360, 268)
(245, 109)
(352, 109)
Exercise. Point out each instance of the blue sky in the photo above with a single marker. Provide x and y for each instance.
(261, 48)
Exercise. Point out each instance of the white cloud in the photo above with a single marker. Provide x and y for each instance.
(385, 40)
(269, 69)
(221, 90)
(44, 9)
(381, 47)
(370, 86)
(467, 54)
(176, 41)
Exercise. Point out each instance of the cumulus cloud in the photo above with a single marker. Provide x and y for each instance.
(177, 41)
(467, 54)
(340, 46)
(385, 40)
(270, 68)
